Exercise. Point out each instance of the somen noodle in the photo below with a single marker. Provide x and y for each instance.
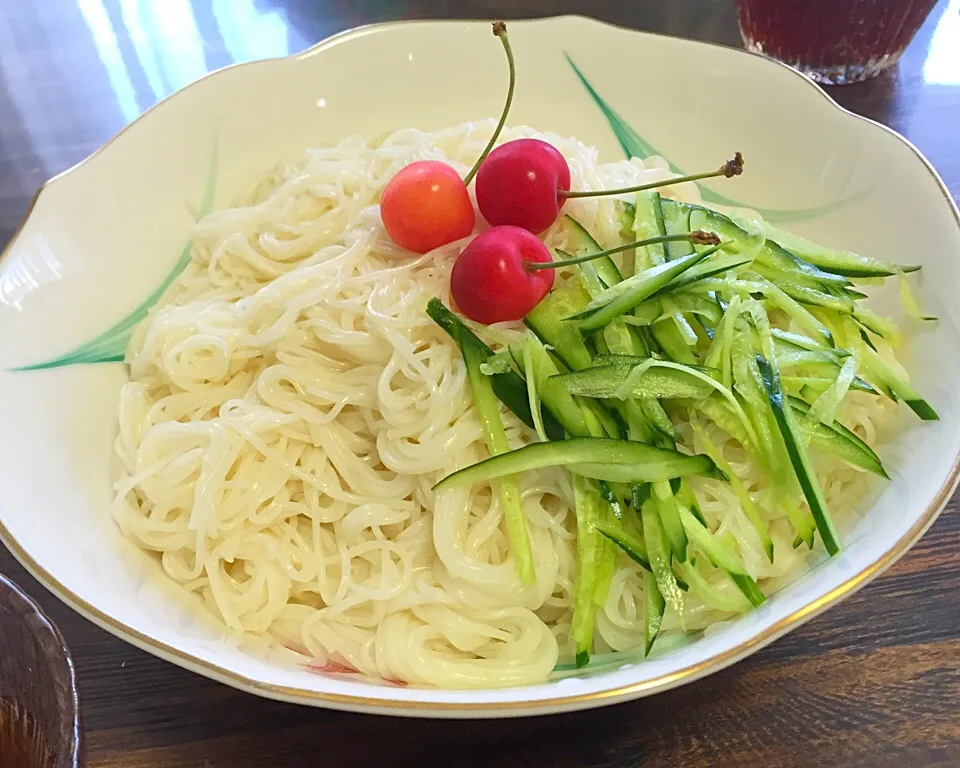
(290, 407)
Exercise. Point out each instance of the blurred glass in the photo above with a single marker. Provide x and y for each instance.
(834, 42)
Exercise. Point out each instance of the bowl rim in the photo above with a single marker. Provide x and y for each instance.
(520, 706)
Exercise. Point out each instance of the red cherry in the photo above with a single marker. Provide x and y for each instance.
(489, 281)
(520, 183)
(425, 206)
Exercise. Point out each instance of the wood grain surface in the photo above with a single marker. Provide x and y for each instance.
(873, 683)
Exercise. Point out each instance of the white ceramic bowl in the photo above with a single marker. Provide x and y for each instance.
(102, 237)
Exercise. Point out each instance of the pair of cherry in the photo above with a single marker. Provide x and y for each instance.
(520, 188)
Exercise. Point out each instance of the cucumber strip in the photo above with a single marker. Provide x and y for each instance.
(786, 339)
(623, 340)
(817, 384)
(884, 327)
(835, 439)
(697, 273)
(551, 393)
(590, 547)
(499, 363)
(719, 353)
(611, 499)
(623, 297)
(507, 386)
(645, 314)
(622, 460)
(768, 254)
(640, 494)
(708, 324)
(687, 333)
(780, 300)
(789, 356)
(606, 380)
(771, 450)
(746, 503)
(673, 344)
(652, 310)
(726, 393)
(625, 215)
(600, 421)
(816, 298)
(591, 278)
(669, 512)
(632, 547)
(798, 314)
(773, 255)
(686, 496)
(706, 270)
(546, 321)
(659, 419)
(633, 474)
(740, 240)
(827, 404)
(839, 262)
(611, 422)
(808, 277)
(638, 426)
(803, 524)
(710, 594)
(855, 294)
(620, 339)
(532, 396)
(889, 377)
(486, 401)
(676, 221)
(659, 554)
(802, 467)
(909, 302)
(653, 606)
(722, 557)
(647, 223)
(607, 553)
(747, 381)
(581, 243)
(718, 410)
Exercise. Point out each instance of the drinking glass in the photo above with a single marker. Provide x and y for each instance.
(834, 42)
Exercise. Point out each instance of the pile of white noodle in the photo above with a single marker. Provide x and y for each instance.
(291, 405)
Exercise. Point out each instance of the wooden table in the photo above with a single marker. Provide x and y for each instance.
(875, 682)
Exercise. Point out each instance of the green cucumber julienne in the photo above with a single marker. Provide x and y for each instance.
(581, 243)
(496, 439)
(635, 549)
(627, 294)
(802, 466)
(836, 439)
(605, 379)
(737, 339)
(598, 457)
(507, 386)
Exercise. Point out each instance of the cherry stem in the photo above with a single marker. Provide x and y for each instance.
(500, 30)
(729, 169)
(698, 237)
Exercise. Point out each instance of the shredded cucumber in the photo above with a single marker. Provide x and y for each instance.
(496, 439)
(590, 551)
(746, 503)
(659, 552)
(765, 336)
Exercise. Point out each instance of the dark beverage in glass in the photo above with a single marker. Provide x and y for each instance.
(832, 41)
